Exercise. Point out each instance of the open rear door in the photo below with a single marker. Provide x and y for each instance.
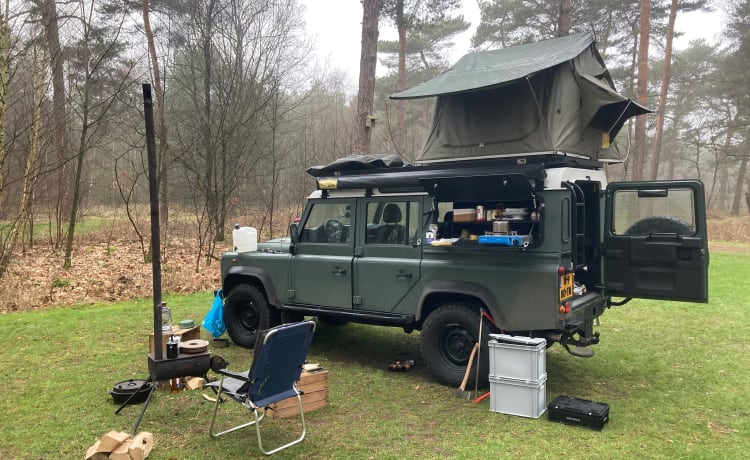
(656, 243)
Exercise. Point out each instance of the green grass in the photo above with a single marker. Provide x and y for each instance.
(84, 226)
(674, 375)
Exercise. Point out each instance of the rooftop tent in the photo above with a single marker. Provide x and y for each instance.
(554, 95)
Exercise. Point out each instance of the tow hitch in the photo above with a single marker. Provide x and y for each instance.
(580, 344)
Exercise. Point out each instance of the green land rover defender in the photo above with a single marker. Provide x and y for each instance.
(506, 218)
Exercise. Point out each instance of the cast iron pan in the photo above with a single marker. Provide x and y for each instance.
(122, 391)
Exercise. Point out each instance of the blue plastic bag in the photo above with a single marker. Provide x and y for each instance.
(214, 320)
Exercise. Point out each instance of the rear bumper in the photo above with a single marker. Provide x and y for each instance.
(583, 310)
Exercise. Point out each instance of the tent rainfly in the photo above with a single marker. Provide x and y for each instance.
(549, 96)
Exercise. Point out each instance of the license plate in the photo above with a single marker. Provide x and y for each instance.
(566, 286)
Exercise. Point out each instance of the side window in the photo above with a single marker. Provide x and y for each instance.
(445, 220)
(392, 222)
(328, 222)
(646, 211)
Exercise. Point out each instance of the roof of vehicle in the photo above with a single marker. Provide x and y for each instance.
(447, 180)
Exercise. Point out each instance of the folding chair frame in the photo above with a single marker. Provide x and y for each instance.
(237, 379)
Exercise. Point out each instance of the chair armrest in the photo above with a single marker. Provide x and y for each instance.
(237, 375)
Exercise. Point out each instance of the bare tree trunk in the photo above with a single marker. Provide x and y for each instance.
(208, 141)
(127, 193)
(739, 187)
(723, 204)
(639, 157)
(67, 262)
(563, 21)
(723, 161)
(29, 176)
(401, 82)
(59, 116)
(162, 128)
(85, 109)
(666, 77)
(4, 66)
(367, 66)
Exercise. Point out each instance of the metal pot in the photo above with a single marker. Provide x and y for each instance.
(122, 391)
(500, 226)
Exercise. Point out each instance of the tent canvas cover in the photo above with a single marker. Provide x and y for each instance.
(549, 96)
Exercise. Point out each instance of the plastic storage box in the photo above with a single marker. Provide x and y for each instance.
(518, 397)
(517, 357)
(582, 412)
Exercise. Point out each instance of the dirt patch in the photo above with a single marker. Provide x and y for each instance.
(101, 271)
(107, 269)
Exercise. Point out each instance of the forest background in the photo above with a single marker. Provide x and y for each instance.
(243, 108)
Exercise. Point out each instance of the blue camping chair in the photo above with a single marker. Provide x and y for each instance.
(279, 355)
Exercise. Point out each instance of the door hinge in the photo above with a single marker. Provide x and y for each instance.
(357, 300)
(290, 294)
(358, 251)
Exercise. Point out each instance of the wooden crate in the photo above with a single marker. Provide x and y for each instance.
(314, 386)
(191, 333)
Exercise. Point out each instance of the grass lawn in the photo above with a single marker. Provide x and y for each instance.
(674, 375)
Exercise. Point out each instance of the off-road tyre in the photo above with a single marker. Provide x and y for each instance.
(659, 224)
(448, 336)
(246, 312)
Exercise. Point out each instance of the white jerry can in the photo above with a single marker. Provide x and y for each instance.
(245, 239)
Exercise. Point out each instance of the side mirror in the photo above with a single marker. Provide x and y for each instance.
(293, 237)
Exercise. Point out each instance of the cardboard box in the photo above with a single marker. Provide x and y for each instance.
(314, 387)
(184, 334)
(464, 215)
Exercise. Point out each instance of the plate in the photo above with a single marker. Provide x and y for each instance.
(194, 346)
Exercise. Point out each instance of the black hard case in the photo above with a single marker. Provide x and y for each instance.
(581, 412)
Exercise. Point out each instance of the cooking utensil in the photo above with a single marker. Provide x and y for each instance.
(139, 389)
(500, 226)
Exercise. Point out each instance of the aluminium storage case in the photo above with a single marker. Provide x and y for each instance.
(518, 375)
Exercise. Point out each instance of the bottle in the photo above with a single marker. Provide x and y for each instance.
(172, 348)
(430, 234)
(166, 318)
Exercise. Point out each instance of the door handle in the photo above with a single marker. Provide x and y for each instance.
(403, 276)
(338, 271)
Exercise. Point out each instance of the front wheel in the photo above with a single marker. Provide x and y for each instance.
(448, 336)
(246, 312)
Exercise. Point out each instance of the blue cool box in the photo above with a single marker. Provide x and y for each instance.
(504, 240)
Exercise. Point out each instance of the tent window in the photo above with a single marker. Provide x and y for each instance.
(503, 114)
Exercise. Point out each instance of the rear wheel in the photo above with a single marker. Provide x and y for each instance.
(448, 336)
(246, 312)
